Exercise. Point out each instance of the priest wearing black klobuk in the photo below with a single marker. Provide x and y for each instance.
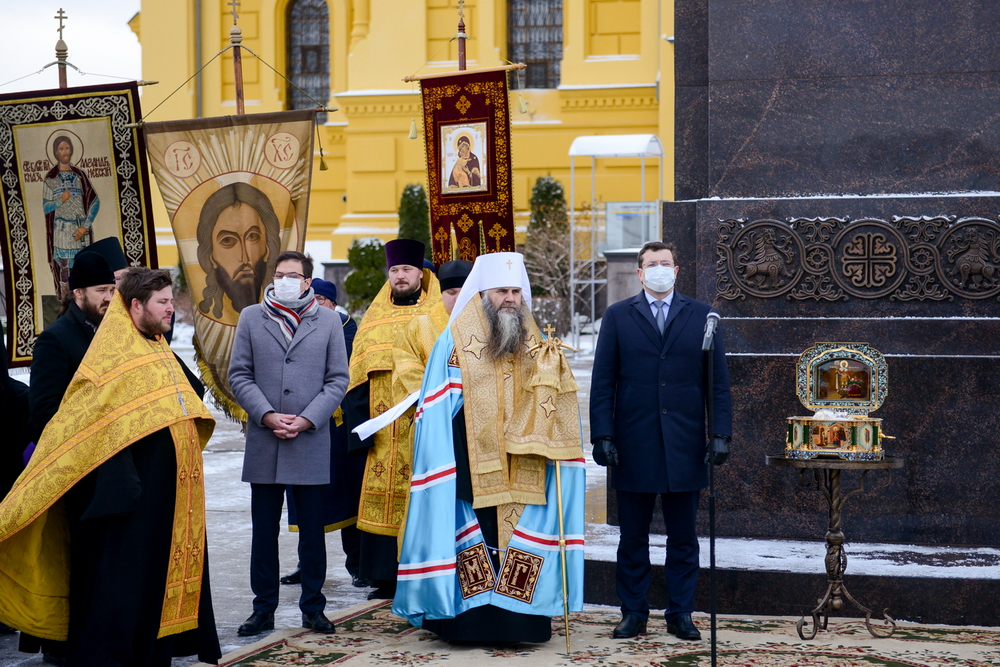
(102, 538)
(497, 413)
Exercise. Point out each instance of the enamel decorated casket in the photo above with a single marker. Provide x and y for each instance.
(843, 383)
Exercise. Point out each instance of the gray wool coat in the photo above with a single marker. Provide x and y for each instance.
(306, 376)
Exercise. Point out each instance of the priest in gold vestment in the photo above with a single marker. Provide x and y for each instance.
(102, 538)
(415, 341)
(410, 291)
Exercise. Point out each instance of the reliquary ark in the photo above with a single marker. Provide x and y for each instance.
(843, 383)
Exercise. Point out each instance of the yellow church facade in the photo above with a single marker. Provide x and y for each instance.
(595, 67)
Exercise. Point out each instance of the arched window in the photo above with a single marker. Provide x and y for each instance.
(534, 33)
(308, 54)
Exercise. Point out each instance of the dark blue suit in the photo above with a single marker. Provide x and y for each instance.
(648, 393)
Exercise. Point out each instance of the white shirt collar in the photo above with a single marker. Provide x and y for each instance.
(667, 300)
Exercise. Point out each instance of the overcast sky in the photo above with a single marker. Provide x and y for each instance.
(96, 32)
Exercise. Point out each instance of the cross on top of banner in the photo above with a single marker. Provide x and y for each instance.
(61, 15)
(235, 4)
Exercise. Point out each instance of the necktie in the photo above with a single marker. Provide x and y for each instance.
(661, 317)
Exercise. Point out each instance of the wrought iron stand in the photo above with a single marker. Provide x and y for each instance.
(827, 475)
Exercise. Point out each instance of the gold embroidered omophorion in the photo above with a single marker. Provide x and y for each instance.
(386, 482)
(510, 422)
(125, 389)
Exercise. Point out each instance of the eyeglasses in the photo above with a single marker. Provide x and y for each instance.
(321, 298)
(297, 276)
(667, 263)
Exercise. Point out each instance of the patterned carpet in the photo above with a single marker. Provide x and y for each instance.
(369, 634)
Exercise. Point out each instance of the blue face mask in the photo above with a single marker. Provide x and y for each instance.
(659, 278)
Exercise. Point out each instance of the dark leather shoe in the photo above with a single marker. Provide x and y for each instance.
(682, 627)
(630, 626)
(7, 630)
(382, 593)
(317, 622)
(293, 578)
(258, 622)
(358, 582)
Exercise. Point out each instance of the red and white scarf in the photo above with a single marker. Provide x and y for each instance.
(289, 314)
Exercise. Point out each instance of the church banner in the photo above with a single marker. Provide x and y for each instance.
(237, 191)
(71, 173)
(467, 134)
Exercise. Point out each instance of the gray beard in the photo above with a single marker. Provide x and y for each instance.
(507, 330)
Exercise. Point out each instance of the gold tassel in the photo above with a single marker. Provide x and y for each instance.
(522, 104)
(413, 128)
(322, 162)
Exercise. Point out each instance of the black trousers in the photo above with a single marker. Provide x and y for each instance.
(633, 571)
(266, 501)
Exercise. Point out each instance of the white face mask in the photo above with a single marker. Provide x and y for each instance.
(287, 288)
(659, 278)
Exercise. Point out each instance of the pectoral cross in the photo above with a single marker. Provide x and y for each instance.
(61, 15)
(235, 4)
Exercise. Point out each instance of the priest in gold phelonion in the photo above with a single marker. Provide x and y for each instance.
(102, 538)
(410, 291)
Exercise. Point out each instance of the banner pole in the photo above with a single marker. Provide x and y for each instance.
(62, 51)
(562, 555)
(461, 36)
(236, 38)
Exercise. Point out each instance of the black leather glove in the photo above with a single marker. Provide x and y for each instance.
(605, 453)
(718, 450)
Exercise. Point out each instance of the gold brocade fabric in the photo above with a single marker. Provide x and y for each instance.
(412, 349)
(127, 387)
(515, 418)
(382, 322)
(409, 355)
(386, 483)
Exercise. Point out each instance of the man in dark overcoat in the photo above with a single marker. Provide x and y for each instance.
(60, 348)
(58, 352)
(289, 373)
(648, 424)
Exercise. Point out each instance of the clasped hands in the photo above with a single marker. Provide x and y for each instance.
(606, 454)
(285, 426)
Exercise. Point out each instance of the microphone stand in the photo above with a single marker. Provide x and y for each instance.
(711, 494)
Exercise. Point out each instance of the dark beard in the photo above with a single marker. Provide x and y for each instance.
(401, 293)
(92, 313)
(507, 330)
(242, 292)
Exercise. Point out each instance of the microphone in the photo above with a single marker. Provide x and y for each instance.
(711, 324)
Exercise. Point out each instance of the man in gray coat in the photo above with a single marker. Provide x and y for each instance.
(289, 372)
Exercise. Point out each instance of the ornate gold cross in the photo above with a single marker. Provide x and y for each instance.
(461, 7)
(61, 15)
(549, 330)
(498, 232)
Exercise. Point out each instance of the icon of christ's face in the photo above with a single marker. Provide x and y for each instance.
(239, 253)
